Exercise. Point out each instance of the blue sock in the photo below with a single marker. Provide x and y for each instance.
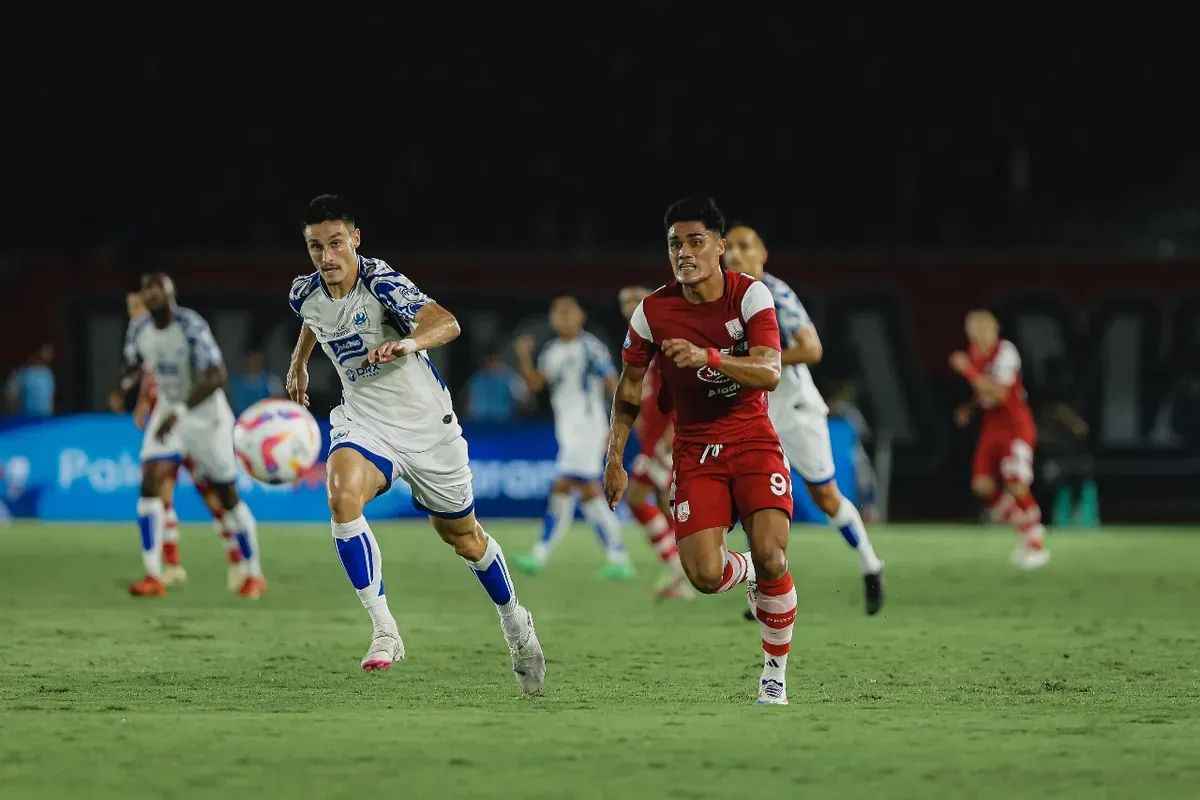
(360, 556)
(492, 572)
(560, 513)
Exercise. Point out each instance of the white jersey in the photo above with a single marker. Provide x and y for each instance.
(575, 373)
(404, 403)
(796, 390)
(178, 355)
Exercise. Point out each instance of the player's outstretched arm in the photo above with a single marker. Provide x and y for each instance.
(758, 370)
(627, 402)
(535, 380)
(984, 386)
(806, 350)
(297, 375)
(434, 326)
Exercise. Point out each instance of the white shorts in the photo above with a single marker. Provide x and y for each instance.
(207, 442)
(805, 440)
(582, 457)
(440, 478)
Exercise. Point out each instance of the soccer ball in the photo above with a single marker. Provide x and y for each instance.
(276, 440)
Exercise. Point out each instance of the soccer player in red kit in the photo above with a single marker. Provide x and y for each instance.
(717, 342)
(649, 490)
(992, 366)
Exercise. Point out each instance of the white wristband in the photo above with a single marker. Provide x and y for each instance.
(409, 346)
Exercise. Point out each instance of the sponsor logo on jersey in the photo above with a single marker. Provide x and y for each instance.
(369, 371)
(348, 348)
(339, 435)
(734, 327)
(360, 320)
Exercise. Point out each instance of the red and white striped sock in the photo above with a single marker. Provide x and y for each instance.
(775, 604)
(659, 531)
(1001, 506)
(1027, 519)
(228, 541)
(737, 570)
(170, 547)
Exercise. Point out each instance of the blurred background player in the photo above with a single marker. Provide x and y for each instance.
(799, 412)
(992, 367)
(396, 421)
(578, 370)
(650, 481)
(190, 417)
(843, 403)
(142, 405)
(718, 340)
(1068, 467)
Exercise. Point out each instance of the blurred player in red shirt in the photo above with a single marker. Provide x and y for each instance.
(717, 342)
(992, 366)
(649, 490)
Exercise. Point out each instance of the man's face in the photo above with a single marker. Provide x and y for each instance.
(154, 293)
(566, 317)
(982, 330)
(333, 248)
(746, 252)
(695, 252)
(629, 298)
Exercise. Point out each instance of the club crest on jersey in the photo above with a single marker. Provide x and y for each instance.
(735, 329)
(683, 511)
(348, 348)
(360, 320)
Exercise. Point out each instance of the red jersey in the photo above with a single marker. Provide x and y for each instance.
(657, 414)
(1003, 366)
(151, 388)
(709, 407)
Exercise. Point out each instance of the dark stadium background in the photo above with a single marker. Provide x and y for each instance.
(902, 169)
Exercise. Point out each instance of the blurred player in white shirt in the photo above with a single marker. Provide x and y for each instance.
(798, 411)
(396, 422)
(191, 419)
(578, 370)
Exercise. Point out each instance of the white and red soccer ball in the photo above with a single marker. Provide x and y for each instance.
(276, 441)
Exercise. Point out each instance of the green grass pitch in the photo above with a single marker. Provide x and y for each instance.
(1082, 680)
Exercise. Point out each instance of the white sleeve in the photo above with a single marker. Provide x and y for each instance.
(757, 298)
(132, 356)
(1006, 365)
(793, 316)
(397, 294)
(599, 359)
(205, 352)
(547, 364)
(639, 323)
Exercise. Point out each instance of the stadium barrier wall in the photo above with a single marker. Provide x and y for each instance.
(85, 467)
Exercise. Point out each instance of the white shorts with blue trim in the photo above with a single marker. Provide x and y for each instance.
(581, 456)
(440, 478)
(805, 439)
(205, 435)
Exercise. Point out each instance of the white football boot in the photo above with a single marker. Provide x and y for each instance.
(528, 660)
(386, 648)
(1026, 558)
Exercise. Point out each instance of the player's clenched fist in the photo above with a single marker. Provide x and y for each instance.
(388, 352)
(960, 362)
(615, 483)
(685, 354)
(297, 384)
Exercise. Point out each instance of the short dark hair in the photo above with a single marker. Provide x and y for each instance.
(695, 209)
(326, 208)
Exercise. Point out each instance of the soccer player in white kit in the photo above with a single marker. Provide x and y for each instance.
(396, 421)
(578, 370)
(192, 419)
(798, 411)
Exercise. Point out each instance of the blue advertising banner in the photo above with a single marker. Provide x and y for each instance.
(85, 467)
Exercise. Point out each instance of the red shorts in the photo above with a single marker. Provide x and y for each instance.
(1006, 453)
(716, 485)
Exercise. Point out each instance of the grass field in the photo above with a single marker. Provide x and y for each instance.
(1082, 680)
